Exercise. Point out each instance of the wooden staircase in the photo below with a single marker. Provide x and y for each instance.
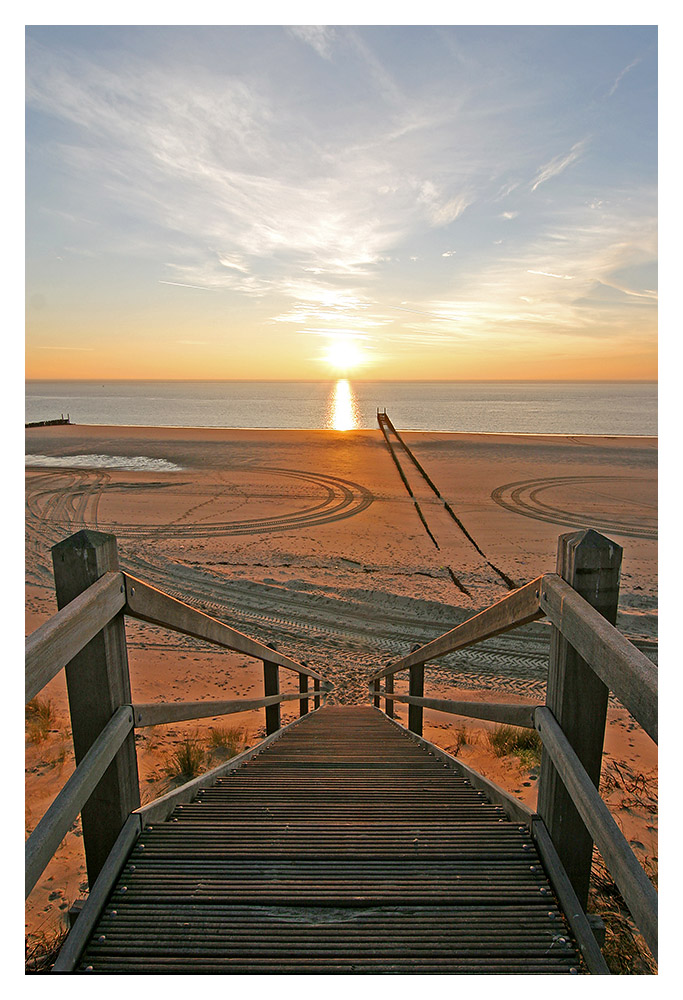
(343, 847)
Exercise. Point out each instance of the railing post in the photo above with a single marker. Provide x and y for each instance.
(591, 564)
(316, 690)
(271, 685)
(98, 683)
(375, 693)
(303, 689)
(416, 690)
(388, 702)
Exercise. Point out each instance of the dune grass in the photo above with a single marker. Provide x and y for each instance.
(523, 743)
(40, 719)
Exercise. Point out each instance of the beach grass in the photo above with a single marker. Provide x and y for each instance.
(523, 743)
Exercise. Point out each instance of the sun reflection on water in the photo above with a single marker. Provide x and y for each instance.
(342, 407)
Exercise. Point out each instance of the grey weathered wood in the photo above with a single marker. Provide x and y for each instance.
(303, 689)
(513, 808)
(148, 604)
(563, 889)
(161, 713)
(590, 563)
(98, 684)
(271, 686)
(388, 701)
(623, 668)
(160, 809)
(622, 863)
(518, 608)
(503, 712)
(416, 690)
(56, 642)
(79, 934)
(54, 826)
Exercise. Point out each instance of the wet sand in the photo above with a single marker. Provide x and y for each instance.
(311, 540)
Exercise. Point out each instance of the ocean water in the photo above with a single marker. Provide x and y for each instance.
(608, 408)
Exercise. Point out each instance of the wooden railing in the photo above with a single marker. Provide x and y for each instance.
(87, 638)
(588, 659)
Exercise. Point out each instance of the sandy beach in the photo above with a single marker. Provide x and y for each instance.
(311, 540)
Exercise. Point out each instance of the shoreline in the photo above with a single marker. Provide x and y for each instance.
(331, 430)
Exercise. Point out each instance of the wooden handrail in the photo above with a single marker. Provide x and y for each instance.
(503, 712)
(148, 604)
(53, 827)
(633, 883)
(57, 641)
(619, 664)
(159, 713)
(516, 609)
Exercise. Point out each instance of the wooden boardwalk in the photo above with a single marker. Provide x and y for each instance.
(343, 847)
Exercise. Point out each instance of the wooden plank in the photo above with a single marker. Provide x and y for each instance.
(148, 604)
(514, 809)
(56, 642)
(503, 712)
(271, 687)
(577, 697)
(518, 608)
(160, 809)
(79, 934)
(563, 889)
(161, 713)
(98, 684)
(623, 668)
(53, 827)
(633, 883)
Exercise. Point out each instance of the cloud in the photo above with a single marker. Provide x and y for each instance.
(549, 274)
(559, 164)
(319, 38)
(623, 73)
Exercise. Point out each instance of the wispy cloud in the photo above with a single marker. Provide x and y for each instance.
(319, 38)
(620, 77)
(558, 164)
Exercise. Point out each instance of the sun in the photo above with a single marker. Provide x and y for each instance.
(343, 354)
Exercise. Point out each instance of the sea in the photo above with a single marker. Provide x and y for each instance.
(603, 408)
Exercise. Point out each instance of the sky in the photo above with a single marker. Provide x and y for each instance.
(386, 202)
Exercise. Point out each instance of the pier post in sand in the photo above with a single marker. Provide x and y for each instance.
(271, 686)
(577, 697)
(98, 683)
(416, 689)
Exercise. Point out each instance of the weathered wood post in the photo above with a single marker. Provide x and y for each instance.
(375, 693)
(303, 689)
(271, 685)
(98, 683)
(416, 687)
(388, 702)
(316, 691)
(591, 564)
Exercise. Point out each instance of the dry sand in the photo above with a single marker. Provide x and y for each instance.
(309, 539)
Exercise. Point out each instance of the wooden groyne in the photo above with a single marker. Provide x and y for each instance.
(49, 423)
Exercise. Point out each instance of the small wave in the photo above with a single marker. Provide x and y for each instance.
(135, 463)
